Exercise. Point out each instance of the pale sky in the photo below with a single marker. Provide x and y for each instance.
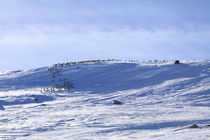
(36, 33)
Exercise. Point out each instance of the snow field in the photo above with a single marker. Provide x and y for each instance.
(159, 101)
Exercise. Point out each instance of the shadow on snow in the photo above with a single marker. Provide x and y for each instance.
(18, 100)
(152, 126)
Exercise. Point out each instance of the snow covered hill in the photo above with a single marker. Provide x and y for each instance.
(156, 101)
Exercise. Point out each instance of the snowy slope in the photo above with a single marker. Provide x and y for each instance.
(159, 101)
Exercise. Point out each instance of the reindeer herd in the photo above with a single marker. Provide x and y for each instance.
(61, 83)
(64, 84)
(88, 61)
(104, 61)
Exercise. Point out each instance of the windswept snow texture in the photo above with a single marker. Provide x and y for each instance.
(159, 101)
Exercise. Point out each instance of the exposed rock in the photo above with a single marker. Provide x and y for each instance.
(117, 102)
(177, 62)
(194, 126)
(36, 99)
